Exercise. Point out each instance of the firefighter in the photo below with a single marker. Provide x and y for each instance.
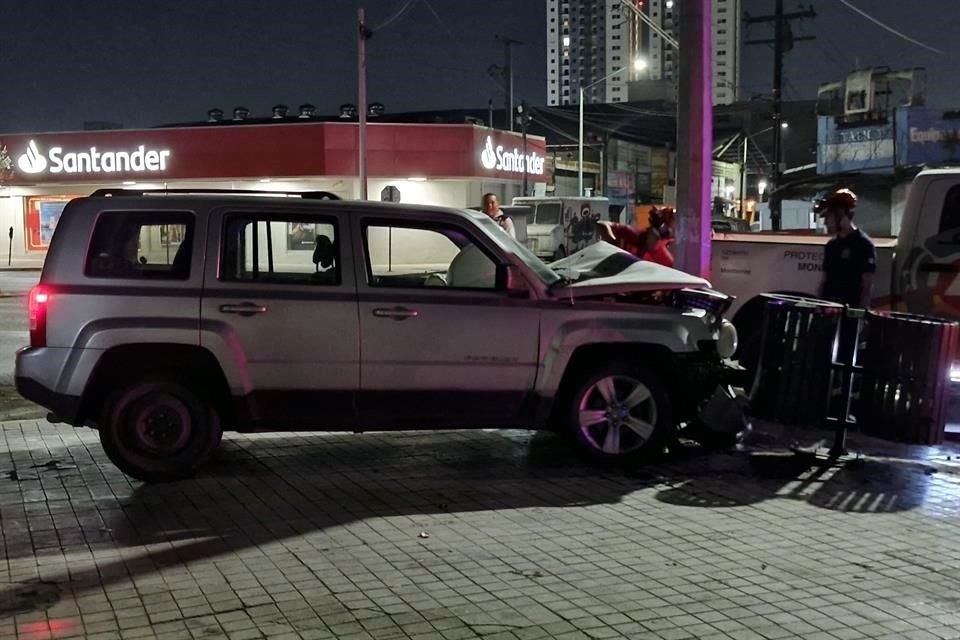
(850, 258)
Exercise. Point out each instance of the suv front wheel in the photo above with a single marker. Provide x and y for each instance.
(620, 411)
(158, 431)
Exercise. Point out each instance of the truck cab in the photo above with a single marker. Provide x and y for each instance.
(927, 258)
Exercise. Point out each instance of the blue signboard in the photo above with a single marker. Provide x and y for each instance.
(916, 137)
(925, 136)
(842, 149)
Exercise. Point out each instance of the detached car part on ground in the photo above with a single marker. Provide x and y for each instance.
(164, 318)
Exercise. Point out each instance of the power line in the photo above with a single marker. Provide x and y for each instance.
(396, 16)
(889, 28)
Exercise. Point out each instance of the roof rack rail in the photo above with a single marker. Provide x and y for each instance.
(306, 195)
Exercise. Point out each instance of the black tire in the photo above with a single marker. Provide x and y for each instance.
(158, 431)
(560, 253)
(626, 442)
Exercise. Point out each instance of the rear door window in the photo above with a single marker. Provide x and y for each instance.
(140, 245)
(282, 249)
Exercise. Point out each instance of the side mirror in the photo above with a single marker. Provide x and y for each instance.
(514, 282)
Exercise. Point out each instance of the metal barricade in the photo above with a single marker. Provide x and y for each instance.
(792, 381)
(905, 374)
(820, 362)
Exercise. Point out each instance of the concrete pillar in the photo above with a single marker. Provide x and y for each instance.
(695, 137)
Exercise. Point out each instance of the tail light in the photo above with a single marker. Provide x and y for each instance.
(37, 304)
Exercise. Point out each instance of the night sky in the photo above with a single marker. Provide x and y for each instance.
(141, 63)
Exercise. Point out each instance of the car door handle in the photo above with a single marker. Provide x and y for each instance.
(243, 308)
(397, 313)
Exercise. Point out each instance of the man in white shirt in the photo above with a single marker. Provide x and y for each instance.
(491, 207)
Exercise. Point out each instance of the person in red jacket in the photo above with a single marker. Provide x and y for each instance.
(623, 236)
(646, 245)
(656, 248)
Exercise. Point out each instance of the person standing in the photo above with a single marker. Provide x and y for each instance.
(850, 258)
(491, 207)
(849, 263)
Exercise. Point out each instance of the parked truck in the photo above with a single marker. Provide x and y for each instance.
(561, 226)
(917, 271)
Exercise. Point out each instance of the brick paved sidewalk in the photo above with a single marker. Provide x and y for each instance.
(318, 536)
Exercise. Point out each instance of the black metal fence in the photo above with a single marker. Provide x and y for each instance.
(896, 386)
(792, 381)
(906, 364)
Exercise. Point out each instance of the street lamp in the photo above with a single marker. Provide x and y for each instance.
(639, 64)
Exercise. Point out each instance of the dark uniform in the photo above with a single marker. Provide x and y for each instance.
(845, 261)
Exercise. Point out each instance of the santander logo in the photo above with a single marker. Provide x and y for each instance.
(32, 161)
(488, 157)
(510, 161)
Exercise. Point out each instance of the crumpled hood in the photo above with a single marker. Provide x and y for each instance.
(603, 268)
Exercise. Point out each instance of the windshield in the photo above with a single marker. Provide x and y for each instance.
(547, 214)
(508, 243)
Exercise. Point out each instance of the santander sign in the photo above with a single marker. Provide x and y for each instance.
(513, 161)
(92, 160)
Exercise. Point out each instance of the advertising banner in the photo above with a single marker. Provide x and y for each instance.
(41, 215)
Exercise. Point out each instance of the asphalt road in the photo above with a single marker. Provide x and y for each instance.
(14, 286)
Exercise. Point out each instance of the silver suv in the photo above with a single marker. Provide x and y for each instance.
(164, 318)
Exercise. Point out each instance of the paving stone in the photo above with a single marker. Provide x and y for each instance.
(317, 536)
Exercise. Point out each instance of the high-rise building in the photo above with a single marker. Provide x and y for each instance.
(589, 39)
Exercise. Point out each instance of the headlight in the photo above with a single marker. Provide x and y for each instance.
(726, 339)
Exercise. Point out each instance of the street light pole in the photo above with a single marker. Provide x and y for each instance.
(639, 65)
(580, 148)
(362, 99)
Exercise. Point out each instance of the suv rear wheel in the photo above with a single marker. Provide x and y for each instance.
(620, 411)
(158, 431)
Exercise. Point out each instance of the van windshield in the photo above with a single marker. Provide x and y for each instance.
(547, 214)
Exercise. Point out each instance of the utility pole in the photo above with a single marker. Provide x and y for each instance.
(782, 42)
(508, 79)
(695, 137)
(523, 131)
(365, 34)
(743, 177)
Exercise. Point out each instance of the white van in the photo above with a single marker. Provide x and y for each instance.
(561, 226)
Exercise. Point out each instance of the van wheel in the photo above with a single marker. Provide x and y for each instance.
(620, 412)
(560, 253)
(158, 431)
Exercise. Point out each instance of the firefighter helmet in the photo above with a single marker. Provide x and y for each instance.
(839, 199)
